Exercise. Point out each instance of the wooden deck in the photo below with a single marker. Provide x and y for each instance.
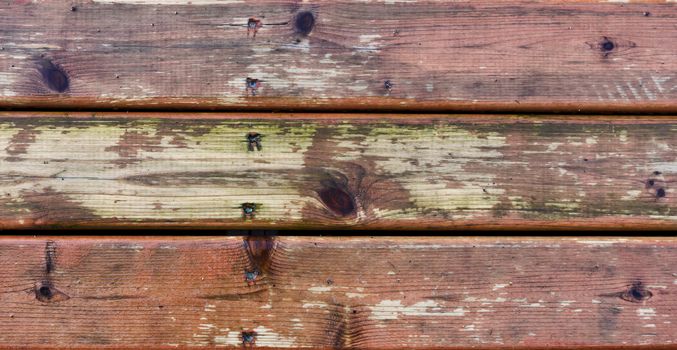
(330, 115)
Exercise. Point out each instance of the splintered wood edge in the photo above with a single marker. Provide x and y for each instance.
(531, 56)
(338, 292)
(334, 171)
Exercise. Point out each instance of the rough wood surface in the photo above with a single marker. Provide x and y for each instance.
(336, 171)
(434, 55)
(338, 292)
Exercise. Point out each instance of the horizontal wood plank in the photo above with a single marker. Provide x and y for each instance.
(336, 171)
(338, 292)
(545, 56)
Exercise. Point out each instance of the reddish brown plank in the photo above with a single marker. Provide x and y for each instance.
(338, 292)
(546, 56)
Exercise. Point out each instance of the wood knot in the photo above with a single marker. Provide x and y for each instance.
(606, 45)
(304, 22)
(46, 293)
(636, 293)
(54, 77)
(338, 201)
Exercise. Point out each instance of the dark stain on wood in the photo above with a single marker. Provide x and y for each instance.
(50, 256)
(260, 250)
(20, 142)
(337, 332)
(608, 321)
(49, 205)
(133, 142)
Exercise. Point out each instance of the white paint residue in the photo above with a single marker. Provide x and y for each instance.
(533, 305)
(319, 289)
(391, 309)
(646, 312)
(658, 81)
(468, 328)
(355, 295)
(604, 242)
(499, 286)
(314, 304)
(368, 38)
(266, 337)
(232, 338)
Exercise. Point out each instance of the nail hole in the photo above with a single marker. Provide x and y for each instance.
(250, 276)
(304, 22)
(253, 26)
(388, 85)
(248, 338)
(338, 201)
(248, 209)
(254, 141)
(74, 8)
(656, 172)
(650, 183)
(660, 193)
(252, 85)
(646, 14)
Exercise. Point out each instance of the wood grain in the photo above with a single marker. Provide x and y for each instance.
(543, 56)
(338, 292)
(336, 171)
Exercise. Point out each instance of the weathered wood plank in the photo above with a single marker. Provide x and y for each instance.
(436, 55)
(336, 171)
(338, 292)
